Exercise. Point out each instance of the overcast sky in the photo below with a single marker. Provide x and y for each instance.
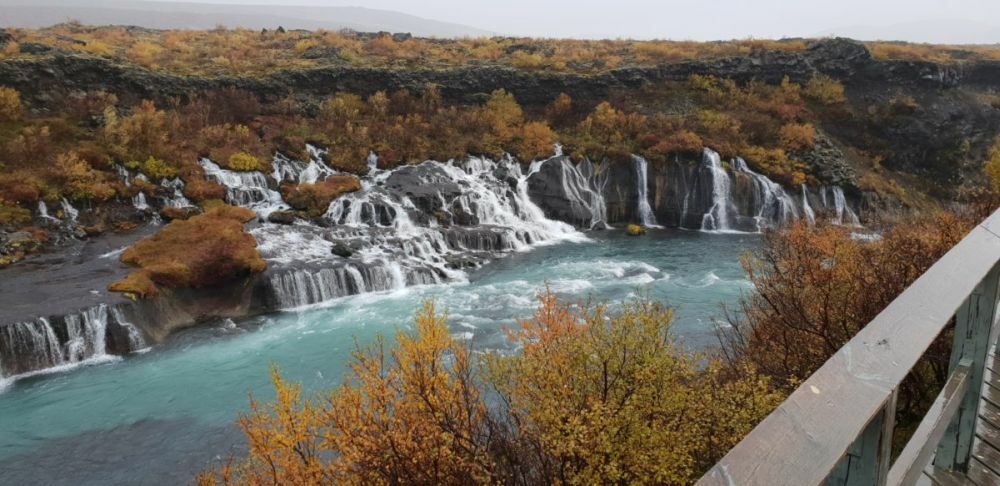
(955, 21)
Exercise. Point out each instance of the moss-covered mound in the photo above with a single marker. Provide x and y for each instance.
(205, 250)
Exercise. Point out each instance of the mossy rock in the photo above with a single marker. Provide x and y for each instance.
(635, 230)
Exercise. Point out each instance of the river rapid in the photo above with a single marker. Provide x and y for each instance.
(160, 416)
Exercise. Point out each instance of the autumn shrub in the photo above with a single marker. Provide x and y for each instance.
(10, 104)
(199, 190)
(244, 162)
(592, 398)
(12, 214)
(824, 90)
(205, 250)
(535, 140)
(797, 136)
(992, 166)
(314, 199)
(79, 181)
(153, 168)
(815, 287)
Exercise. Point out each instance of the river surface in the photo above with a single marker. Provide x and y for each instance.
(160, 416)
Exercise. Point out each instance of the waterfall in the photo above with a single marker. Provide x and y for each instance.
(43, 343)
(597, 184)
(581, 188)
(176, 186)
(844, 213)
(774, 207)
(717, 217)
(372, 163)
(288, 170)
(69, 212)
(43, 211)
(248, 189)
(644, 211)
(396, 241)
(135, 339)
(833, 200)
(139, 201)
(806, 208)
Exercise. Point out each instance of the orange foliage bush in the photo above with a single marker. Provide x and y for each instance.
(205, 250)
(314, 199)
(592, 399)
(817, 286)
(797, 136)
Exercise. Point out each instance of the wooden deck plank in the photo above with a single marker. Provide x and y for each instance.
(990, 413)
(802, 441)
(991, 394)
(942, 477)
(986, 454)
(982, 475)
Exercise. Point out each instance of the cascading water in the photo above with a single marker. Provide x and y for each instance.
(644, 210)
(248, 189)
(69, 212)
(806, 208)
(718, 216)
(288, 170)
(771, 205)
(43, 211)
(40, 344)
(842, 212)
(177, 199)
(397, 237)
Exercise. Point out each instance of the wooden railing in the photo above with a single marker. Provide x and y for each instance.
(836, 428)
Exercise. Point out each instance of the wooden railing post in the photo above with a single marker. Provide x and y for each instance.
(867, 461)
(973, 323)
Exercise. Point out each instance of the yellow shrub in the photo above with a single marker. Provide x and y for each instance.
(10, 104)
(992, 167)
(824, 90)
(244, 162)
(154, 168)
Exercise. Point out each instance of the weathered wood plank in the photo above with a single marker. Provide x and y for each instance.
(982, 475)
(990, 413)
(948, 478)
(986, 454)
(973, 328)
(802, 441)
(992, 378)
(989, 434)
(990, 393)
(926, 480)
(920, 449)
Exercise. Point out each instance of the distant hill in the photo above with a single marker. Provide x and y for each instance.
(177, 15)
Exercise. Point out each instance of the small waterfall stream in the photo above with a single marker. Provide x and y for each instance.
(718, 216)
(248, 189)
(806, 208)
(69, 212)
(774, 207)
(642, 181)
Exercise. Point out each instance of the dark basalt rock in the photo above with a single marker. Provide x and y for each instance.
(547, 189)
(424, 184)
(282, 217)
(341, 249)
(827, 162)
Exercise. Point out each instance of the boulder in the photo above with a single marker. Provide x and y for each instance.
(341, 249)
(282, 217)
